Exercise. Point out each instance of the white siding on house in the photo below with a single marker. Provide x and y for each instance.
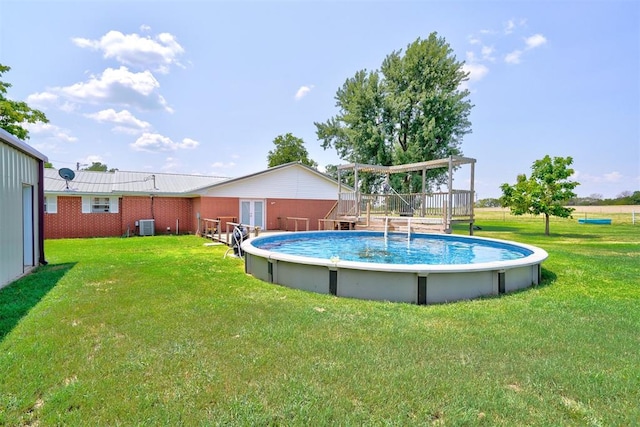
(17, 170)
(291, 182)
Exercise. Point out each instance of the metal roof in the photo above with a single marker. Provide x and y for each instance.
(13, 141)
(124, 182)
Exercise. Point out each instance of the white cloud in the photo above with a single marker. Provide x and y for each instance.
(157, 53)
(45, 100)
(513, 57)
(613, 177)
(171, 164)
(189, 143)
(474, 40)
(302, 92)
(535, 40)
(487, 53)
(118, 86)
(90, 159)
(222, 165)
(154, 142)
(476, 71)
(50, 132)
(42, 99)
(127, 122)
(509, 26)
(532, 42)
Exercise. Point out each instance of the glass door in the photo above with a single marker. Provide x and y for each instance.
(252, 213)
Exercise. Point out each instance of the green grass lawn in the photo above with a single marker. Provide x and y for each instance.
(166, 331)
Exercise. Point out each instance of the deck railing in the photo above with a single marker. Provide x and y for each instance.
(412, 204)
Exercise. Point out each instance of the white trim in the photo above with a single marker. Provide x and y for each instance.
(51, 204)
(252, 204)
(86, 204)
(20, 145)
(113, 204)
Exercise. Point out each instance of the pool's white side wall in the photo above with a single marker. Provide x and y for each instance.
(20, 208)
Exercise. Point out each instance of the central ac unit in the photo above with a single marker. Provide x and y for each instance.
(147, 227)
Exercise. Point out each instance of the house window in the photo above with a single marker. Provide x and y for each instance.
(51, 204)
(100, 205)
(92, 204)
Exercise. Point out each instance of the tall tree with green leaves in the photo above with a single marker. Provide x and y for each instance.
(413, 109)
(545, 192)
(14, 114)
(99, 167)
(289, 149)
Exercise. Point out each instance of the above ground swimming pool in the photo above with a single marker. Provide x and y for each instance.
(397, 267)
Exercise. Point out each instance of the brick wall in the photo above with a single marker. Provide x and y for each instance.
(70, 222)
(217, 207)
(279, 209)
(164, 210)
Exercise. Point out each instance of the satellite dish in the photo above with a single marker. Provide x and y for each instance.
(67, 174)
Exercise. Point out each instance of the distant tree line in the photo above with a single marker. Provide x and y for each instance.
(624, 198)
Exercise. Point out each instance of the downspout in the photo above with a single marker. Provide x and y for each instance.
(41, 257)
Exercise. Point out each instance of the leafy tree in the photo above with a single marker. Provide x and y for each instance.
(289, 149)
(545, 192)
(48, 165)
(99, 167)
(413, 109)
(488, 203)
(14, 114)
(332, 171)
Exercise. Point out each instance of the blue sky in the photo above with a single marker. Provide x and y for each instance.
(204, 87)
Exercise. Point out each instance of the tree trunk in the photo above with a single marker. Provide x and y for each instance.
(546, 224)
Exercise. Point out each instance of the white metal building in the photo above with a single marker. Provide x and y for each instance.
(21, 208)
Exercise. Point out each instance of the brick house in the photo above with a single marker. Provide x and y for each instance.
(101, 204)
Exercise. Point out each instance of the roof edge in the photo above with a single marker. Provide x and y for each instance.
(20, 145)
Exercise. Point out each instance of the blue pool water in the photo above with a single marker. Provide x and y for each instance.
(396, 248)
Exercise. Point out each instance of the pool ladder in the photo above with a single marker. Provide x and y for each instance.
(386, 228)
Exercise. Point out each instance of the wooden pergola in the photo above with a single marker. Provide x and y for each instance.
(454, 205)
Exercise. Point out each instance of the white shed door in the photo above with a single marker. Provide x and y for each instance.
(27, 224)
